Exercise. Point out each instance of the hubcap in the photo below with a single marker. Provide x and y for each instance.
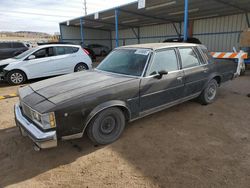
(16, 78)
(211, 92)
(108, 125)
(80, 68)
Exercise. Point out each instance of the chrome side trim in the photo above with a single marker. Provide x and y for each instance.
(168, 105)
(42, 139)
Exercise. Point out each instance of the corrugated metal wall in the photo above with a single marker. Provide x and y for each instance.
(221, 33)
(218, 34)
(91, 36)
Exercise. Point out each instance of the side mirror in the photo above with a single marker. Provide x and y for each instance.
(161, 73)
(31, 57)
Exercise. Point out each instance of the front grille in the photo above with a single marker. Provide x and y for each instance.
(26, 110)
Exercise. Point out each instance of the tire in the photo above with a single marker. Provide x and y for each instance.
(208, 95)
(81, 67)
(16, 77)
(107, 126)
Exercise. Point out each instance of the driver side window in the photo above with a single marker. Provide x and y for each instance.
(164, 61)
(45, 52)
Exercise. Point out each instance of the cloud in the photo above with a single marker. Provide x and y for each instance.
(45, 15)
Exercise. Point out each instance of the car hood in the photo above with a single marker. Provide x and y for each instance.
(64, 88)
(8, 61)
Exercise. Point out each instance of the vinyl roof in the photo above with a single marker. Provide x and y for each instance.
(160, 12)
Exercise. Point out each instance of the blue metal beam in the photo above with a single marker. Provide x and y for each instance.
(82, 34)
(186, 21)
(116, 27)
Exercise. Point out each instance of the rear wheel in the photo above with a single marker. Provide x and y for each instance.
(16, 77)
(107, 126)
(81, 67)
(208, 95)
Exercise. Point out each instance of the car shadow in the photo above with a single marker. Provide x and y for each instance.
(19, 161)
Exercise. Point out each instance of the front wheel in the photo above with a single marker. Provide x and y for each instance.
(107, 126)
(208, 95)
(16, 77)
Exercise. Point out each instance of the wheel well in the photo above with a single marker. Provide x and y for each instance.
(218, 79)
(82, 63)
(17, 70)
(122, 108)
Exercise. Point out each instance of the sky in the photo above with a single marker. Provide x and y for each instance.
(45, 15)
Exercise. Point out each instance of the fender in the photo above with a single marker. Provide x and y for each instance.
(211, 76)
(11, 68)
(104, 106)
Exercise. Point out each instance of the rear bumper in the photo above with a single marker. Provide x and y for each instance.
(41, 139)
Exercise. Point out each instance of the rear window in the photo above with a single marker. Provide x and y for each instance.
(5, 45)
(17, 45)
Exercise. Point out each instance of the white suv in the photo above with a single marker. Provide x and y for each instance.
(44, 61)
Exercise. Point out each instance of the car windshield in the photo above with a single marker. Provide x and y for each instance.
(24, 54)
(125, 61)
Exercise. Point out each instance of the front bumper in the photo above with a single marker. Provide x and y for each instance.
(41, 139)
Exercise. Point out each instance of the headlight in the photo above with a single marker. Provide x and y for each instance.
(46, 121)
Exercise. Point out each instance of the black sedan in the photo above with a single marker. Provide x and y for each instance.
(132, 82)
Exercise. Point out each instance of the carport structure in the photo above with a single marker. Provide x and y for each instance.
(217, 23)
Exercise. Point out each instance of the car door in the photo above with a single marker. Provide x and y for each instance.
(63, 61)
(195, 71)
(158, 92)
(40, 65)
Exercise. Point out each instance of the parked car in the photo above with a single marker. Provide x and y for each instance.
(87, 50)
(44, 61)
(99, 50)
(130, 83)
(11, 49)
(189, 40)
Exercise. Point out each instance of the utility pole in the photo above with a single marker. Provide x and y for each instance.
(85, 7)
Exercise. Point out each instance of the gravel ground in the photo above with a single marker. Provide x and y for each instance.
(188, 145)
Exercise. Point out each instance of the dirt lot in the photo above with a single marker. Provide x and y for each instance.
(189, 145)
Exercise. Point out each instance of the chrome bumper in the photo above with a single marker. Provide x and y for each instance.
(41, 139)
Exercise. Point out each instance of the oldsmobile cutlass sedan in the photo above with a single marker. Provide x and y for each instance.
(132, 82)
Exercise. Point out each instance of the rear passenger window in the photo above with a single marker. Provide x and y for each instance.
(164, 61)
(75, 49)
(188, 58)
(68, 50)
(60, 50)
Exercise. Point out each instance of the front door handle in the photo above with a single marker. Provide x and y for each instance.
(179, 78)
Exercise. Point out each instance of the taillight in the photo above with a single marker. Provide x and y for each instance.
(86, 51)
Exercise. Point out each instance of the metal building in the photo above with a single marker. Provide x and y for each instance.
(217, 23)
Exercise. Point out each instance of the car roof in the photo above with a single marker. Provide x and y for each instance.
(155, 46)
(54, 45)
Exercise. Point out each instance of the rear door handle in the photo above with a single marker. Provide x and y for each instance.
(205, 70)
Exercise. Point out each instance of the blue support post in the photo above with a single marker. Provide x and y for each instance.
(82, 34)
(186, 21)
(61, 35)
(116, 28)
